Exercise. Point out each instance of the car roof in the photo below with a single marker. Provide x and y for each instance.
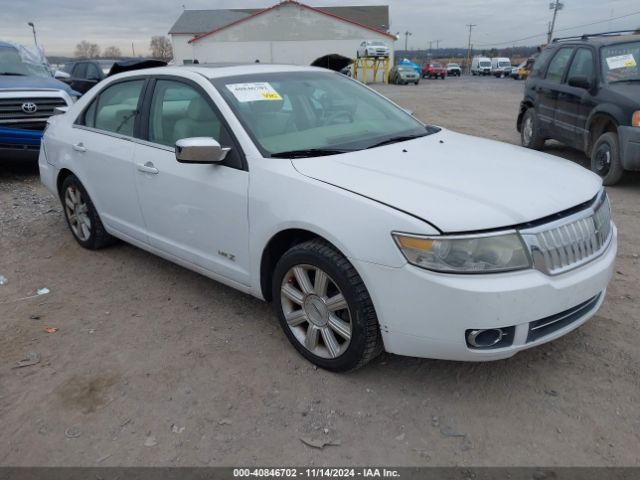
(598, 40)
(222, 70)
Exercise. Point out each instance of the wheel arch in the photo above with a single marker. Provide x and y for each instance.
(62, 176)
(276, 247)
(525, 105)
(600, 122)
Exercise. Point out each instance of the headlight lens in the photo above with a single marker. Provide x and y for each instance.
(465, 253)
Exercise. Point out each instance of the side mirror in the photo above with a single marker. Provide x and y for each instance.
(60, 75)
(580, 82)
(200, 150)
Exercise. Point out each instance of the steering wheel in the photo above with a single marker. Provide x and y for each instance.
(339, 117)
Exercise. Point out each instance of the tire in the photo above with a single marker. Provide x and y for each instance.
(354, 308)
(531, 138)
(418, 82)
(605, 158)
(83, 219)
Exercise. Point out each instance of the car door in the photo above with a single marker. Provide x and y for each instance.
(102, 150)
(93, 75)
(79, 77)
(547, 90)
(575, 102)
(196, 213)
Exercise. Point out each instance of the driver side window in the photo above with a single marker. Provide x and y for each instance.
(179, 111)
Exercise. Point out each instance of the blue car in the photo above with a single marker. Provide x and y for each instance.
(29, 95)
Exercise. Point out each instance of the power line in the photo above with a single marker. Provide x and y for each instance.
(560, 30)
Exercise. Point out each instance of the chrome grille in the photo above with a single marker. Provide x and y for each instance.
(572, 241)
(11, 109)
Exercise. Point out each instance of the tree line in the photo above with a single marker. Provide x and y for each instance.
(159, 47)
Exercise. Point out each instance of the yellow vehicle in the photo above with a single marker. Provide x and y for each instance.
(521, 72)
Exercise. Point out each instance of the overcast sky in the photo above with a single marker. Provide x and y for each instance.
(61, 24)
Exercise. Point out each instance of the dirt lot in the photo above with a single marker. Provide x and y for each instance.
(154, 365)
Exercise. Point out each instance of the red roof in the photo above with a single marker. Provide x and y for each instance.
(212, 32)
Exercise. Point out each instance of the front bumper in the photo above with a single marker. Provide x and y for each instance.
(630, 147)
(427, 314)
(17, 141)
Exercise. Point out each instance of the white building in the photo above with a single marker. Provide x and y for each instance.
(289, 33)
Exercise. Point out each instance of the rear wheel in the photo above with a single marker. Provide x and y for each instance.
(605, 158)
(324, 307)
(82, 216)
(529, 131)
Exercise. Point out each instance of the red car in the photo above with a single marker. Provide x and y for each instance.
(434, 70)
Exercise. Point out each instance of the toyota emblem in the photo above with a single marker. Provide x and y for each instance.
(29, 107)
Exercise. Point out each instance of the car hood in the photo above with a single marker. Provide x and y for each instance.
(15, 82)
(457, 182)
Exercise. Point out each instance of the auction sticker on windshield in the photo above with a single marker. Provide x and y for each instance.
(621, 61)
(254, 92)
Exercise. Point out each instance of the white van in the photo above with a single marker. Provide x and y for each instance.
(501, 66)
(481, 66)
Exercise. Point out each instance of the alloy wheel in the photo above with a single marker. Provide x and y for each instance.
(77, 212)
(316, 311)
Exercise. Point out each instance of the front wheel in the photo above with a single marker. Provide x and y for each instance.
(529, 131)
(605, 159)
(324, 307)
(81, 215)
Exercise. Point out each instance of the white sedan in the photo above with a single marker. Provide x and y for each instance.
(367, 229)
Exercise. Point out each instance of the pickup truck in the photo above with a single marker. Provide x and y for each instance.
(29, 95)
(434, 70)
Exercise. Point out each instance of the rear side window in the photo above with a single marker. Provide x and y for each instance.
(115, 109)
(582, 65)
(92, 72)
(558, 65)
(80, 70)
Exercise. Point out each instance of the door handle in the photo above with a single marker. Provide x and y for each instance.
(148, 168)
(79, 147)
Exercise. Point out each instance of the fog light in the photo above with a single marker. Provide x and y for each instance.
(489, 338)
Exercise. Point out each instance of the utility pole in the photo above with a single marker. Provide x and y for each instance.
(438, 44)
(470, 25)
(407, 34)
(133, 49)
(556, 6)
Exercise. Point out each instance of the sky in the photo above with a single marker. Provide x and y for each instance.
(61, 24)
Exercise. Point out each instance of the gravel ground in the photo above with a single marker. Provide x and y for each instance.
(154, 365)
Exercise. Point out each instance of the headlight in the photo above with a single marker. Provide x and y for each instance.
(465, 253)
(635, 119)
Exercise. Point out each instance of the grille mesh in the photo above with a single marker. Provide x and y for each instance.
(573, 242)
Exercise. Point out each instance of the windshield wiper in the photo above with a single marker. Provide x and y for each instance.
(399, 138)
(625, 80)
(310, 152)
(13, 73)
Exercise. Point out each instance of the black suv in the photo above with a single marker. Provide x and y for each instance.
(84, 74)
(585, 92)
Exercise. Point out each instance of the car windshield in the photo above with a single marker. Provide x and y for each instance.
(11, 64)
(405, 69)
(436, 65)
(312, 112)
(453, 65)
(621, 62)
(504, 64)
(485, 64)
(377, 44)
